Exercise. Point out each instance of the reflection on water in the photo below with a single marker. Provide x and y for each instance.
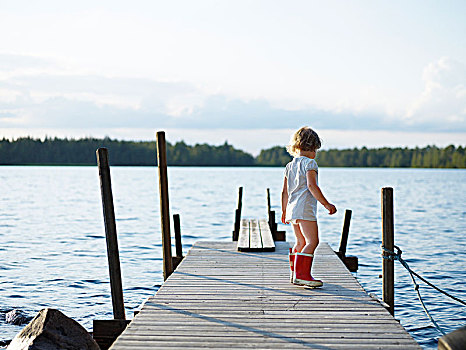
(53, 251)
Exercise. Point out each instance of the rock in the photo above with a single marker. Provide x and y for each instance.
(5, 342)
(17, 317)
(455, 340)
(52, 330)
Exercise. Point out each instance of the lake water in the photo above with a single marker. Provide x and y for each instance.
(53, 250)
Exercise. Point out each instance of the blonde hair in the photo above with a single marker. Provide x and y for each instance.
(305, 139)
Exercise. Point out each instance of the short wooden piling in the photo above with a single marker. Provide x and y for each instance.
(111, 235)
(345, 233)
(273, 224)
(164, 210)
(388, 271)
(269, 206)
(177, 228)
(105, 332)
(351, 262)
(238, 215)
(277, 235)
(271, 215)
(179, 248)
(240, 198)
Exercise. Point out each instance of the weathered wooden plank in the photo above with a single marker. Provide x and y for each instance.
(251, 336)
(330, 324)
(138, 345)
(260, 314)
(262, 340)
(266, 236)
(255, 242)
(255, 339)
(244, 235)
(314, 331)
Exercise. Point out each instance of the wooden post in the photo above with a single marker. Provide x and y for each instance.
(105, 332)
(388, 242)
(164, 211)
(179, 248)
(271, 216)
(177, 227)
(271, 213)
(111, 235)
(238, 214)
(240, 199)
(268, 201)
(237, 224)
(345, 233)
(273, 224)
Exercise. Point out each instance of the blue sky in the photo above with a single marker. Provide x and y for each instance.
(371, 73)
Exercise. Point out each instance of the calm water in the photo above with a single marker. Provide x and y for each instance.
(53, 251)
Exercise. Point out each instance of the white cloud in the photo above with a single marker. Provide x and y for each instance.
(57, 99)
(443, 101)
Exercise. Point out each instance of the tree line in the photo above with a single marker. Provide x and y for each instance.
(57, 151)
(427, 157)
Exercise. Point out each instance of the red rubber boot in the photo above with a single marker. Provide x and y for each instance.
(291, 256)
(302, 271)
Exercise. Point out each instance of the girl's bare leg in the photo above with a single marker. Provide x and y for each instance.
(310, 231)
(300, 240)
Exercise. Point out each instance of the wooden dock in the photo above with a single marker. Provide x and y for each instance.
(221, 298)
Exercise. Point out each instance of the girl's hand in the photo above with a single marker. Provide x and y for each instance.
(283, 217)
(331, 208)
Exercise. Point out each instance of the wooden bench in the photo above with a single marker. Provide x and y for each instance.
(255, 235)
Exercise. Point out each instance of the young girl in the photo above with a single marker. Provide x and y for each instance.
(299, 204)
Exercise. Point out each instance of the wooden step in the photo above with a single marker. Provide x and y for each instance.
(255, 236)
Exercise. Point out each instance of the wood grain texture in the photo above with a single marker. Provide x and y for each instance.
(243, 238)
(255, 236)
(267, 238)
(255, 241)
(221, 298)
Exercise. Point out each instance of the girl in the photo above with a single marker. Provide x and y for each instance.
(299, 204)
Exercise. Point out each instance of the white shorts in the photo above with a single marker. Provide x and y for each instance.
(296, 221)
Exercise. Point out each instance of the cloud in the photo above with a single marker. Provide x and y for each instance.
(442, 105)
(50, 99)
(214, 112)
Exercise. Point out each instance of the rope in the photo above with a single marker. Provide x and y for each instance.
(397, 256)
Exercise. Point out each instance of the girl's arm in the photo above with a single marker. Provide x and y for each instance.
(311, 177)
(284, 199)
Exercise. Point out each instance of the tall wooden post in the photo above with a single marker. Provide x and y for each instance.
(111, 235)
(345, 233)
(164, 211)
(388, 271)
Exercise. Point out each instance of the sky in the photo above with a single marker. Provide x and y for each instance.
(361, 73)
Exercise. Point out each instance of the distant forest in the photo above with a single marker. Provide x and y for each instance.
(55, 151)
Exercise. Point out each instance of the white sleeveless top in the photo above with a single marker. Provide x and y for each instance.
(301, 203)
